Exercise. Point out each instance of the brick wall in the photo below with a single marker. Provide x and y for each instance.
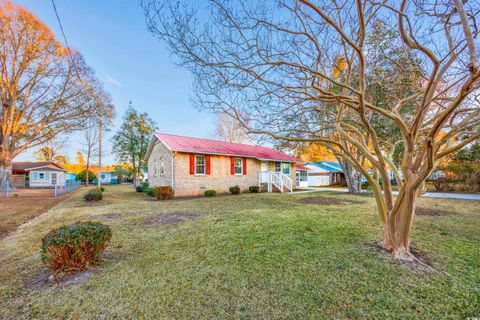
(219, 178)
(155, 177)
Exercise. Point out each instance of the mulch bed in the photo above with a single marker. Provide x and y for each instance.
(45, 279)
(431, 212)
(327, 201)
(423, 263)
(170, 218)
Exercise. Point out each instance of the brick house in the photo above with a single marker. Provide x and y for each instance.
(193, 165)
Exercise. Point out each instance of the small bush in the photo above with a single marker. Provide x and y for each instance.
(254, 189)
(210, 193)
(149, 192)
(139, 188)
(144, 185)
(235, 190)
(75, 247)
(164, 192)
(93, 195)
(102, 189)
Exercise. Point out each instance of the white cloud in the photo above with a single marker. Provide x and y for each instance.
(112, 80)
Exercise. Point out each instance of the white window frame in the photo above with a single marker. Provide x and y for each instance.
(204, 165)
(286, 165)
(162, 167)
(240, 167)
(155, 161)
(40, 173)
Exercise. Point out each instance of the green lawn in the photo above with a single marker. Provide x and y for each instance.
(249, 256)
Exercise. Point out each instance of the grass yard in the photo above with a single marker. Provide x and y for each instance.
(249, 256)
(24, 205)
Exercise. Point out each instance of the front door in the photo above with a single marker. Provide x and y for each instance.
(54, 179)
(263, 168)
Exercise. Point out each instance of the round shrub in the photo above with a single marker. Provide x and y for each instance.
(210, 193)
(164, 192)
(75, 247)
(102, 189)
(149, 192)
(235, 190)
(93, 195)
(82, 176)
(254, 189)
(139, 188)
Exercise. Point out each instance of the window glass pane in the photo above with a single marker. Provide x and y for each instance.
(200, 164)
(278, 166)
(286, 168)
(238, 166)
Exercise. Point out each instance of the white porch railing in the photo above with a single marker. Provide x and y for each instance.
(278, 179)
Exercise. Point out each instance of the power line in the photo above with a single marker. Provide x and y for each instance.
(68, 47)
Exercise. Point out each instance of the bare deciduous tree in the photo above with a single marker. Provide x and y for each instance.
(272, 65)
(52, 151)
(230, 129)
(46, 89)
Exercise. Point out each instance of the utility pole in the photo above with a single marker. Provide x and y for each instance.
(99, 178)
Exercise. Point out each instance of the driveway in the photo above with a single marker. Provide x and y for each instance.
(440, 195)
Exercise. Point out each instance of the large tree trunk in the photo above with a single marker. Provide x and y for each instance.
(396, 234)
(350, 177)
(6, 162)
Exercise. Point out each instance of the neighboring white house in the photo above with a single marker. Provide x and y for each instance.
(46, 176)
(325, 173)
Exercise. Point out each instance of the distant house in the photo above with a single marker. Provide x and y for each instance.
(38, 174)
(108, 178)
(193, 165)
(302, 176)
(325, 173)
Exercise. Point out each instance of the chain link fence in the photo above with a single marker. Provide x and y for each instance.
(69, 186)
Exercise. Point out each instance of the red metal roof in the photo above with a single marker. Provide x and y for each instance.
(207, 146)
(300, 167)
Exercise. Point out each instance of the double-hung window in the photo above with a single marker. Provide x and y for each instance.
(278, 166)
(238, 166)
(162, 168)
(41, 176)
(200, 165)
(286, 167)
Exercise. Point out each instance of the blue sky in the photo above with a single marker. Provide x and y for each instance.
(133, 65)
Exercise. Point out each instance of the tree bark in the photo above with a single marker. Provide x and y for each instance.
(396, 232)
(350, 177)
(6, 163)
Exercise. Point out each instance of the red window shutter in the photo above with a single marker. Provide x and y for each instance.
(244, 166)
(192, 164)
(232, 165)
(207, 164)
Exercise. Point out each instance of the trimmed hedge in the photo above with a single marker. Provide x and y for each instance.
(149, 192)
(210, 193)
(235, 190)
(254, 189)
(75, 247)
(164, 192)
(93, 195)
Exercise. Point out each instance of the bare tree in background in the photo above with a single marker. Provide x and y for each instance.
(52, 151)
(90, 145)
(229, 129)
(271, 66)
(45, 88)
